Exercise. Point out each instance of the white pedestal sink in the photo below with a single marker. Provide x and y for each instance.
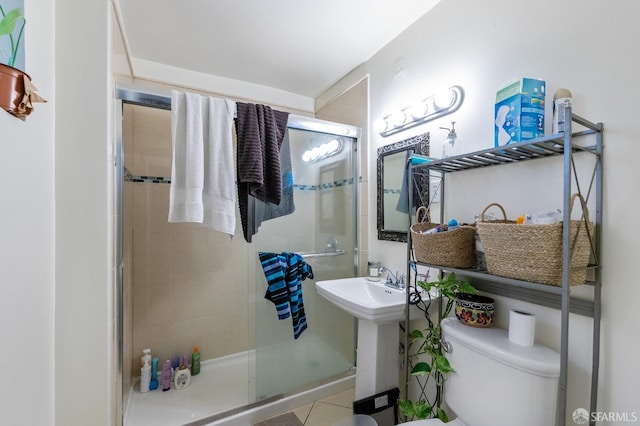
(379, 309)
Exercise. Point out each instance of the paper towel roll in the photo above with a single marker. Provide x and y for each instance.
(522, 327)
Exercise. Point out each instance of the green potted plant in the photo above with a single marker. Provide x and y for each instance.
(17, 93)
(426, 357)
(8, 28)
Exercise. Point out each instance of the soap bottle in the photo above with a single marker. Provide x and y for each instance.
(182, 376)
(153, 384)
(195, 361)
(451, 146)
(166, 375)
(145, 376)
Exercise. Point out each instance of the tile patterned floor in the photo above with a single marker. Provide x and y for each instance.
(327, 411)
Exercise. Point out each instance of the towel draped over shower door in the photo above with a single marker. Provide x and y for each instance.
(284, 273)
(202, 173)
(260, 131)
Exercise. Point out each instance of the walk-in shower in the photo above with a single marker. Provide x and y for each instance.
(183, 284)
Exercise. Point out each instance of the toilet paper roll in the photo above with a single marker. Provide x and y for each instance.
(522, 327)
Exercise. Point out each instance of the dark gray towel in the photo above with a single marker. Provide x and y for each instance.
(266, 211)
(260, 131)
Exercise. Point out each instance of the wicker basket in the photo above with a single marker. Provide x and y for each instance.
(455, 249)
(534, 252)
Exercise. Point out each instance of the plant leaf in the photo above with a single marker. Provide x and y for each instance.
(8, 23)
(422, 410)
(442, 415)
(421, 369)
(419, 410)
(417, 334)
(406, 407)
(442, 364)
(425, 285)
(466, 287)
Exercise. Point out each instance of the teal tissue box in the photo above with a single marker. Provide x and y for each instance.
(519, 111)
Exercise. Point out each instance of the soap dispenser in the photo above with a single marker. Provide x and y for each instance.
(145, 376)
(451, 146)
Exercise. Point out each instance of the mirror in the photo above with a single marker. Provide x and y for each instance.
(393, 220)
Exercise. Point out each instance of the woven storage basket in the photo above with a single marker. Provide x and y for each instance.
(455, 249)
(534, 252)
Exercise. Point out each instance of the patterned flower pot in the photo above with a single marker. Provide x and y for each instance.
(475, 310)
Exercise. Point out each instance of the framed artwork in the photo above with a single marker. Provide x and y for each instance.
(12, 24)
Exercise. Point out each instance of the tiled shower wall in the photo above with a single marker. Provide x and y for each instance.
(174, 305)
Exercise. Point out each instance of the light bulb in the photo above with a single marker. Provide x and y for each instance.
(381, 125)
(398, 118)
(333, 145)
(323, 150)
(444, 99)
(418, 109)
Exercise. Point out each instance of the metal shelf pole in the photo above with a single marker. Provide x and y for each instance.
(597, 296)
(561, 409)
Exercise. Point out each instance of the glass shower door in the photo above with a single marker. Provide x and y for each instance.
(323, 230)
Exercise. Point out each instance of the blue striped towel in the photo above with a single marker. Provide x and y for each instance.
(284, 273)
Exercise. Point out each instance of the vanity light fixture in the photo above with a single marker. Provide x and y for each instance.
(320, 152)
(428, 109)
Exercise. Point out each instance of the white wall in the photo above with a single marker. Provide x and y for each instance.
(83, 188)
(27, 238)
(460, 42)
(589, 50)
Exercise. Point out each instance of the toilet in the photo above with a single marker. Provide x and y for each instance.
(497, 382)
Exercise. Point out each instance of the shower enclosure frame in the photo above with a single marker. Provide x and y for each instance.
(128, 95)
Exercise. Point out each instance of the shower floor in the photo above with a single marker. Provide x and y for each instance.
(226, 384)
(222, 384)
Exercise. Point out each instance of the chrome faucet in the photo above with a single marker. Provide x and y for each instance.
(393, 280)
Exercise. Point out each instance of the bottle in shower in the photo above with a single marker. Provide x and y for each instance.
(145, 376)
(182, 376)
(195, 361)
(146, 356)
(153, 383)
(166, 375)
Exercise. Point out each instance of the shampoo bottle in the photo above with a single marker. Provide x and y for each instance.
(195, 361)
(182, 376)
(166, 375)
(145, 376)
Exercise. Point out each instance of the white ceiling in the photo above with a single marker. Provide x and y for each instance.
(299, 46)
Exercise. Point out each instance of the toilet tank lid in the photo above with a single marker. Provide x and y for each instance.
(494, 343)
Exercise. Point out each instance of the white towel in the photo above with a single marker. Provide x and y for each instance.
(219, 194)
(203, 172)
(187, 169)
